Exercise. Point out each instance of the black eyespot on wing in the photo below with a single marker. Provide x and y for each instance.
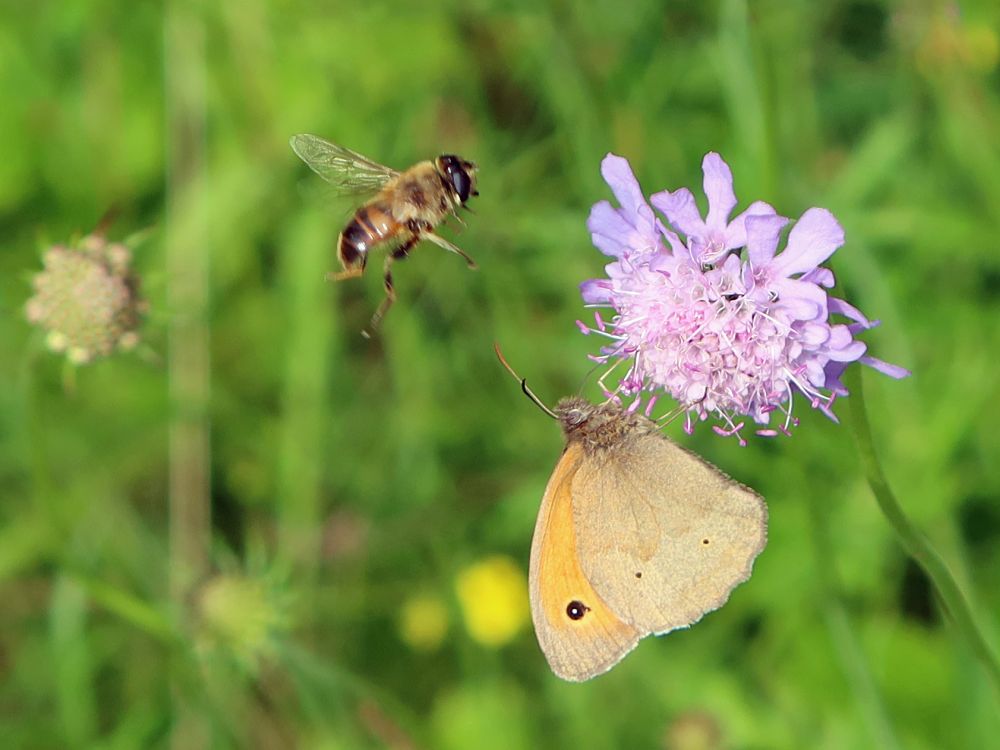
(704, 541)
(638, 574)
(575, 610)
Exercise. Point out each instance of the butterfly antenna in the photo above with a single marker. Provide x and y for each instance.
(524, 384)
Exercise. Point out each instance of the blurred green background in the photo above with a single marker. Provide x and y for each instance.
(262, 530)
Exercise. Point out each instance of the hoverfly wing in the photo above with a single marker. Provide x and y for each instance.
(348, 171)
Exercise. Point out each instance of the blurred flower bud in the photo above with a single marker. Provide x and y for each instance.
(241, 616)
(87, 300)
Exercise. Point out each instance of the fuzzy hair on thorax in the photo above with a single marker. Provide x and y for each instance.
(600, 427)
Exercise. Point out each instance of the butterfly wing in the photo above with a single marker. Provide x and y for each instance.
(663, 536)
(579, 634)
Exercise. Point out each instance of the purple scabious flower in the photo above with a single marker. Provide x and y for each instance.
(708, 311)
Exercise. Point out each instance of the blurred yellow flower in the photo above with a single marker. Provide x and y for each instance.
(981, 48)
(493, 594)
(423, 622)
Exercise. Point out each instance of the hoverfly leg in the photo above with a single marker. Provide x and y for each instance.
(442, 242)
(347, 273)
(390, 290)
(351, 270)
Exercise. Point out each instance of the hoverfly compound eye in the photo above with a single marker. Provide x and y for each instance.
(458, 175)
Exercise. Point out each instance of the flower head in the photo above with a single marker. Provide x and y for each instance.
(242, 617)
(87, 299)
(711, 314)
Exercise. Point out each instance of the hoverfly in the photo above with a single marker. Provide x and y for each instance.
(403, 208)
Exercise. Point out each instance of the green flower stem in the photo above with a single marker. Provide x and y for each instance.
(847, 647)
(914, 542)
(188, 370)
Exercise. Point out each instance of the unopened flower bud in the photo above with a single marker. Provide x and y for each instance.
(86, 300)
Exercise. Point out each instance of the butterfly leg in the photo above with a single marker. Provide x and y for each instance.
(390, 290)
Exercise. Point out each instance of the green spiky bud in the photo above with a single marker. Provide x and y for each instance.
(242, 617)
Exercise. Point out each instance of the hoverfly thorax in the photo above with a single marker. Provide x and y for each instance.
(459, 175)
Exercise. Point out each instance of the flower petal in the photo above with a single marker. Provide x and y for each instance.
(842, 347)
(814, 373)
(822, 276)
(762, 234)
(596, 291)
(793, 294)
(672, 239)
(840, 307)
(730, 277)
(849, 353)
(813, 239)
(718, 186)
(681, 211)
(814, 334)
(797, 308)
(666, 263)
(736, 232)
(833, 372)
(608, 229)
(618, 174)
(893, 371)
(840, 337)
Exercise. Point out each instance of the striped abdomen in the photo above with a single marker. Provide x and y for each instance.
(372, 224)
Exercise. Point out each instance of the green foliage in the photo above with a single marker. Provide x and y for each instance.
(348, 476)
